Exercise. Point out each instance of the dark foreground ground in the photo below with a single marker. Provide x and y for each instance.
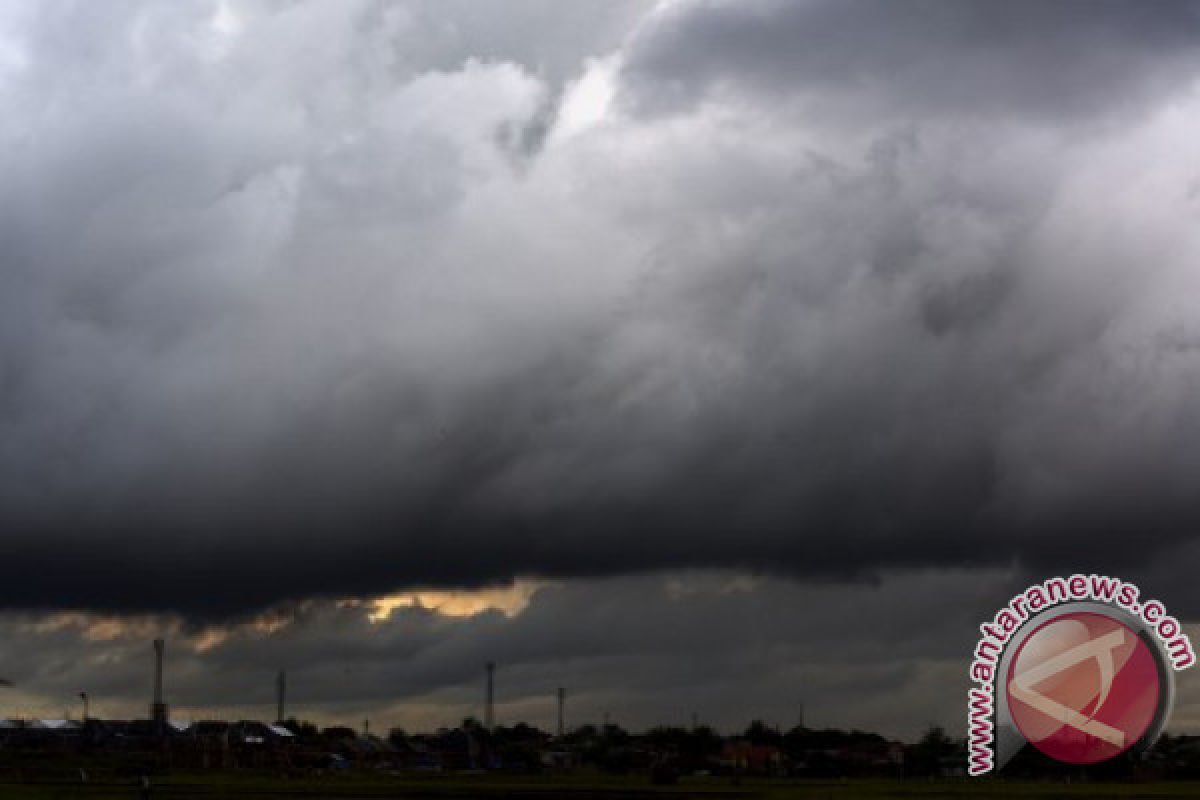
(460, 787)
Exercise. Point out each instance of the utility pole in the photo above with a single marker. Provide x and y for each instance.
(5, 683)
(489, 708)
(280, 696)
(84, 697)
(158, 708)
(562, 702)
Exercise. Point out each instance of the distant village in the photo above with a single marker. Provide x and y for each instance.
(46, 749)
(37, 749)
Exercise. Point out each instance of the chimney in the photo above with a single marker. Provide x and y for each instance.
(158, 709)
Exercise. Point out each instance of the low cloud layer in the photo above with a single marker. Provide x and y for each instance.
(338, 298)
(645, 651)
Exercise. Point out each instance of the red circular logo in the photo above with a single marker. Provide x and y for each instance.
(1083, 687)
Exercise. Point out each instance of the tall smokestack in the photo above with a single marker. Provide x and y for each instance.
(562, 703)
(158, 709)
(489, 708)
(280, 696)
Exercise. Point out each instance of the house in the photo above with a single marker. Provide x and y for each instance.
(741, 756)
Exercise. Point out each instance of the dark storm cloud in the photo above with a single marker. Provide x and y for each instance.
(640, 649)
(917, 58)
(297, 301)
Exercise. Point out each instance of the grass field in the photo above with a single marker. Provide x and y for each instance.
(265, 787)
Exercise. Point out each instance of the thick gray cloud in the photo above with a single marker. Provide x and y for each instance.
(890, 655)
(332, 298)
(645, 650)
(919, 58)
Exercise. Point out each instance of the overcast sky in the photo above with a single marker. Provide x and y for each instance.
(767, 345)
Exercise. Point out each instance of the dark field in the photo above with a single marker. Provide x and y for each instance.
(461, 787)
